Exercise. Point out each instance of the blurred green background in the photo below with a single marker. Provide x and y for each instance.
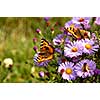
(16, 42)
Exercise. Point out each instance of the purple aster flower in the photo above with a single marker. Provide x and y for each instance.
(97, 71)
(85, 68)
(41, 74)
(44, 63)
(82, 20)
(97, 21)
(67, 71)
(59, 39)
(86, 25)
(73, 49)
(89, 46)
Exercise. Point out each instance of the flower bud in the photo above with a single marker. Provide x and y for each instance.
(38, 30)
(34, 39)
(35, 48)
(41, 74)
(46, 18)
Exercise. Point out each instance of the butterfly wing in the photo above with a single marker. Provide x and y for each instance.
(74, 31)
(46, 51)
(42, 58)
(78, 33)
(43, 46)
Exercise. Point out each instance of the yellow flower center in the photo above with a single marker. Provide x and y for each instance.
(74, 49)
(81, 20)
(68, 71)
(85, 68)
(88, 46)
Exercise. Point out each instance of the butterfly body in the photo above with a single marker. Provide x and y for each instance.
(46, 51)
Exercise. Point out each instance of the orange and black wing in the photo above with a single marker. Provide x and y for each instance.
(42, 57)
(45, 47)
(46, 51)
(74, 31)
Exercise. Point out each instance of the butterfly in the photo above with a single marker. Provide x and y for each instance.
(78, 33)
(46, 51)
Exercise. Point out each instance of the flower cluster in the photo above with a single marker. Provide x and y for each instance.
(75, 46)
